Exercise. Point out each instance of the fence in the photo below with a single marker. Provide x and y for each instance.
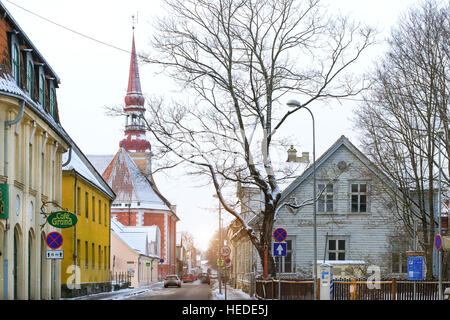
(354, 289)
(121, 279)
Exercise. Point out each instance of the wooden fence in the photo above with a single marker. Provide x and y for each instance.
(354, 289)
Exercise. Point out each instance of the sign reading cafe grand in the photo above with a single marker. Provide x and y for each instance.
(62, 219)
(4, 201)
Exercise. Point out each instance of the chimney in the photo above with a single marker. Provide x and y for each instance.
(292, 156)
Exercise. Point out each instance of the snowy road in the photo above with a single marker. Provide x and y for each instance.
(188, 291)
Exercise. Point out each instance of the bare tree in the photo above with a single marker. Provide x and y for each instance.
(404, 112)
(237, 60)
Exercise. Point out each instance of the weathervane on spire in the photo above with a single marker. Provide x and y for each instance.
(135, 19)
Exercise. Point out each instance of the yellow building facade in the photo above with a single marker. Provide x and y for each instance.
(86, 263)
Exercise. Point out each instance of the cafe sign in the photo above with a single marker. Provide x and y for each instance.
(62, 219)
(4, 201)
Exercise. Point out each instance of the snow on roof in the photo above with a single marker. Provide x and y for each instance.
(100, 162)
(130, 185)
(83, 168)
(137, 238)
(341, 262)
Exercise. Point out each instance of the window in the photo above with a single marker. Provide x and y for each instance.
(99, 257)
(53, 103)
(106, 215)
(15, 64)
(93, 208)
(30, 78)
(398, 256)
(42, 91)
(78, 251)
(325, 201)
(336, 249)
(106, 258)
(93, 256)
(287, 261)
(99, 211)
(358, 196)
(86, 205)
(78, 200)
(86, 252)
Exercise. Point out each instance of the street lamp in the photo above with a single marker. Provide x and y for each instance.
(296, 104)
(440, 135)
(219, 269)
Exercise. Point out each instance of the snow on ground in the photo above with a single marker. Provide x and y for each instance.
(232, 294)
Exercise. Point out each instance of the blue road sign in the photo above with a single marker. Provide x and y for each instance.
(279, 234)
(438, 242)
(415, 268)
(279, 249)
(54, 240)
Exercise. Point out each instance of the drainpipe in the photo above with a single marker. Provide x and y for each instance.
(5, 242)
(74, 228)
(68, 160)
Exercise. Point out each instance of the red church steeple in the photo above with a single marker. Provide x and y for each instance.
(135, 140)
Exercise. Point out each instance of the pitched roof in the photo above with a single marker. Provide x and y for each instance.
(79, 163)
(342, 141)
(137, 238)
(131, 186)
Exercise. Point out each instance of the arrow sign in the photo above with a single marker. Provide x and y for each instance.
(279, 249)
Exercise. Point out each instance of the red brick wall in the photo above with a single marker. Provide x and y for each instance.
(126, 218)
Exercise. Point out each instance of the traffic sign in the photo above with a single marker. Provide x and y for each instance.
(148, 264)
(438, 242)
(227, 260)
(54, 254)
(161, 260)
(279, 234)
(219, 262)
(54, 240)
(415, 268)
(225, 251)
(279, 249)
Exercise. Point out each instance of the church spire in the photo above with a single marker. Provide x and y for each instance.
(135, 139)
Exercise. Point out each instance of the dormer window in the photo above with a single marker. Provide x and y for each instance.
(42, 91)
(15, 63)
(53, 103)
(30, 78)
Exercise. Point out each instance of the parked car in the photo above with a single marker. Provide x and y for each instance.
(172, 280)
(204, 277)
(188, 277)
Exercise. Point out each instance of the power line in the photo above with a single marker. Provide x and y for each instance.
(69, 29)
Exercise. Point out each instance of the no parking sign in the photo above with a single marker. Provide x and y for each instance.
(54, 240)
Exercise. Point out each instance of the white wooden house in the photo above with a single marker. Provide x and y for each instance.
(355, 222)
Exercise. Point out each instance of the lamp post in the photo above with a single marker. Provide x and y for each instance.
(219, 269)
(296, 104)
(440, 134)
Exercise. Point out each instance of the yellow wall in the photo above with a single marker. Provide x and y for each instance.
(93, 232)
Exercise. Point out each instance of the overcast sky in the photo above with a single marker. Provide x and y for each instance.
(94, 75)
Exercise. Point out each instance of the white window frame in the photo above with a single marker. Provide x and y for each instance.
(336, 250)
(324, 196)
(358, 194)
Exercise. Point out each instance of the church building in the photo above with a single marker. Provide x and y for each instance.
(138, 201)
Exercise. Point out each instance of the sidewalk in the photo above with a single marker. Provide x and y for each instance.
(119, 294)
(232, 294)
